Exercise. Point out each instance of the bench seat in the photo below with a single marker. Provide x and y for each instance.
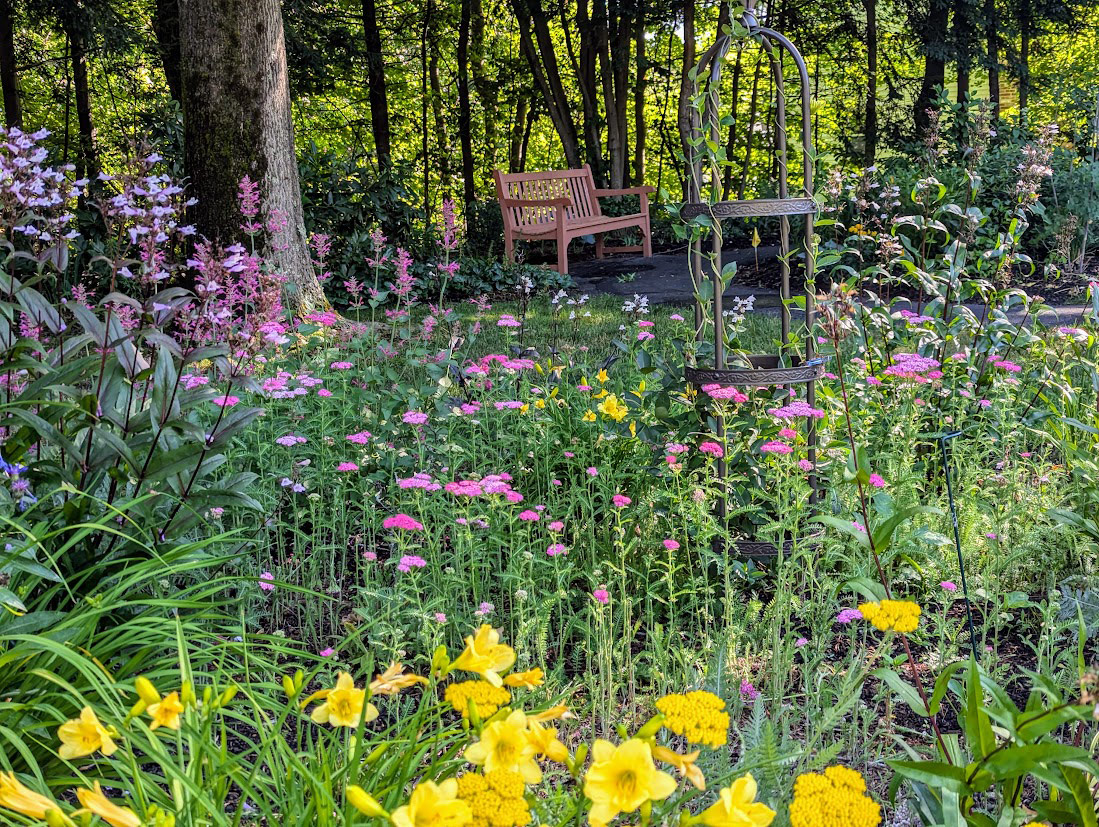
(533, 205)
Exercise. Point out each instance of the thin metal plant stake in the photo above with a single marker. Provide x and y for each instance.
(957, 538)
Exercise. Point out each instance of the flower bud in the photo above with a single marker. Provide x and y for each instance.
(365, 803)
(228, 695)
(187, 694)
(652, 727)
(146, 691)
(288, 686)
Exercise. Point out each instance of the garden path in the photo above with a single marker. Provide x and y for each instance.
(664, 279)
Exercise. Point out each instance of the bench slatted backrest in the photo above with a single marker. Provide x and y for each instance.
(576, 184)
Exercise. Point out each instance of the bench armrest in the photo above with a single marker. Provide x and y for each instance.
(628, 191)
(536, 202)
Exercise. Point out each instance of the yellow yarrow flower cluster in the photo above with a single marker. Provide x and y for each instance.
(836, 798)
(699, 716)
(495, 799)
(486, 697)
(892, 615)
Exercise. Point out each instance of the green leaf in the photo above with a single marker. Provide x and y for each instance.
(1015, 761)
(845, 526)
(905, 691)
(935, 774)
(975, 722)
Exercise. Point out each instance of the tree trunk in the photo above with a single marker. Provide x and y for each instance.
(584, 69)
(237, 122)
(993, 48)
(934, 68)
(870, 147)
(375, 83)
(9, 80)
(615, 143)
(465, 114)
(518, 125)
(730, 142)
(166, 29)
(86, 165)
(487, 89)
(964, 27)
(532, 116)
(534, 26)
(442, 133)
(686, 86)
(640, 125)
(1026, 31)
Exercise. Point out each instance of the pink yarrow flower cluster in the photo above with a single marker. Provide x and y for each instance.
(796, 409)
(402, 522)
(724, 393)
(419, 480)
(488, 486)
(411, 561)
(912, 367)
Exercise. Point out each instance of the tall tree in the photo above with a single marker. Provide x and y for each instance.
(237, 122)
(964, 43)
(9, 80)
(375, 84)
(465, 110)
(870, 146)
(488, 92)
(992, 54)
(933, 33)
(686, 85)
(75, 22)
(166, 29)
(538, 47)
(640, 123)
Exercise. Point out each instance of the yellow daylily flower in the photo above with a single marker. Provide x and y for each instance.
(485, 655)
(433, 805)
(611, 407)
(551, 714)
(344, 705)
(94, 801)
(602, 376)
(545, 741)
(84, 735)
(540, 404)
(737, 807)
(589, 416)
(393, 680)
(25, 801)
(622, 778)
(166, 712)
(505, 745)
(684, 763)
(529, 679)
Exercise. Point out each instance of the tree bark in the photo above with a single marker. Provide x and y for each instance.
(686, 86)
(730, 142)
(934, 36)
(9, 79)
(518, 125)
(1026, 31)
(166, 29)
(465, 113)
(438, 116)
(584, 69)
(870, 147)
(487, 89)
(640, 124)
(375, 84)
(86, 164)
(964, 26)
(993, 50)
(237, 122)
(534, 26)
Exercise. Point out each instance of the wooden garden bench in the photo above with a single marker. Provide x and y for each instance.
(534, 203)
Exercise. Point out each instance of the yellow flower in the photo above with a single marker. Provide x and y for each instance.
(544, 740)
(364, 802)
(505, 745)
(393, 680)
(684, 763)
(699, 716)
(485, 655)
(84, 735)
(835, 799)
(166, 712)
(602, 376)
(589, 416)
(612, 408)
(892, 615)
(14, 796)
(486, 698)
(343, 706)
(433, 805)
(623, 778)
(551, 714)
(146, 691)
(495, 799)
(737, 807)
(96, 802)
(539, 403)
(529, 679)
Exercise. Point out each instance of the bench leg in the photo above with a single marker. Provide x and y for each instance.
(599, 245)
(509, 247)
(562, 249)
(647, 240)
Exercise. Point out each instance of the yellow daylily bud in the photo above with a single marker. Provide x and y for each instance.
(187, 694)
(288, 686)
(376, 753)
(538, 367)
(299, 679)
(440, 661)
(652, 727)
(365, 803)
(56, 818)
(137, 709)
(146, 691)
(228, 695)
(207, 695)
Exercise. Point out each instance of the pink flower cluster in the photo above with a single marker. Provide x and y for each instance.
(712, 448)
(419, 480)
(411, 561)
(290, 440)
(913, 368)
(796, 409)
(720, 392)
(402, 522)
(491, 485)
(775, 447)
(360, 438)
